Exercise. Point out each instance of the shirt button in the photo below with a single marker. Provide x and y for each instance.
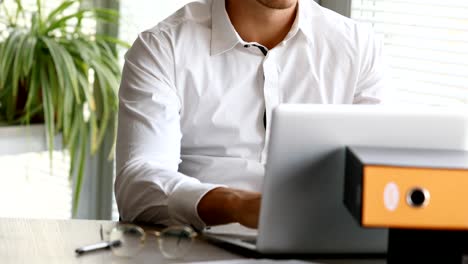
(246, 46)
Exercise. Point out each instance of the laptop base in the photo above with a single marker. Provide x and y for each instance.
(249, 250)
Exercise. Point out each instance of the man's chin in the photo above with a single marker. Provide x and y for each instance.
(278, 4)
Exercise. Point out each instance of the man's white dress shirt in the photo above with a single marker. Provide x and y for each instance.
(193, 96)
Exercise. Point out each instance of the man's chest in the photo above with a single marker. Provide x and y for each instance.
(224, 97)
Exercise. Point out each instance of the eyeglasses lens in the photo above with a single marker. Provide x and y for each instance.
(131, 240)
(175, 242)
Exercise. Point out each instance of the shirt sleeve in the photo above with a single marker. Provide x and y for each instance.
(148, 186)
(372, 83)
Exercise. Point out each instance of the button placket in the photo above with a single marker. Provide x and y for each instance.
(268, 88)
(270, 91)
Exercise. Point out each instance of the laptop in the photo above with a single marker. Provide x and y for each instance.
(302, 210)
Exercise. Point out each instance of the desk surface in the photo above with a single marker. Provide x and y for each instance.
(54, 241)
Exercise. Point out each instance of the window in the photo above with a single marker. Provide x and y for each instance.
(38, 191)
(426, 45)
(29, 186)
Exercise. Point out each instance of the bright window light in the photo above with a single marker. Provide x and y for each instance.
(426, 45)
(31, 188)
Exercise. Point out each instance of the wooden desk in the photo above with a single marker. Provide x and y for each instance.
(55, 241)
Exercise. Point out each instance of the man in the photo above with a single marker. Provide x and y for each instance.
(197, 93)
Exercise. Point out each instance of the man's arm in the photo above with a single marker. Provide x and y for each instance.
(148, 186)
(372, 85)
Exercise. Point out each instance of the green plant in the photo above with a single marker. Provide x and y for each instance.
(54, 70)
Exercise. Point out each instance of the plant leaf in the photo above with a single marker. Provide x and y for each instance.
(62, 22)
(109, 57)
(19, 9)
(64, 65)
(112, 40)
(72, 143)
(34, 84)
(29, 53)
(104, 85)
(107, 79)
(57, 93)
(11, 74)
(26, 119)
(48, 109)
(114, 141)
(7, 15)
(7, 55)
(106, 15)
(81, 167)
(68, 104)
(59, 10)
(58, 60)
(39, 15)
(16, 75)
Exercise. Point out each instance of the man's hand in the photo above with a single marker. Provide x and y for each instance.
(224, 205)
(248, 210)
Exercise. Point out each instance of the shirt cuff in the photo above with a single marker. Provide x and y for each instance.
(183, 202)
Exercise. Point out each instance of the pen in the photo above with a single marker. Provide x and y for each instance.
(97, 246)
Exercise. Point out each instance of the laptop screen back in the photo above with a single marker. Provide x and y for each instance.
(302, 205)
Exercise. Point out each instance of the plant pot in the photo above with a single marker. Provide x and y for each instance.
(23, 139)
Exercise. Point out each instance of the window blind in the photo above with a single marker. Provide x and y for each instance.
(426, 47)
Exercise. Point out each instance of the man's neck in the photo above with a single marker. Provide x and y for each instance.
(256, 22)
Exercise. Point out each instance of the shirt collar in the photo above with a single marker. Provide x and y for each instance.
(224, 36)
(307, 10)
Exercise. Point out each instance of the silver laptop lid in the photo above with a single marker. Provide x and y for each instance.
(302, 209)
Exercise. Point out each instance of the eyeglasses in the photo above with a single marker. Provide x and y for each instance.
(174, 242)
(127, 240)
